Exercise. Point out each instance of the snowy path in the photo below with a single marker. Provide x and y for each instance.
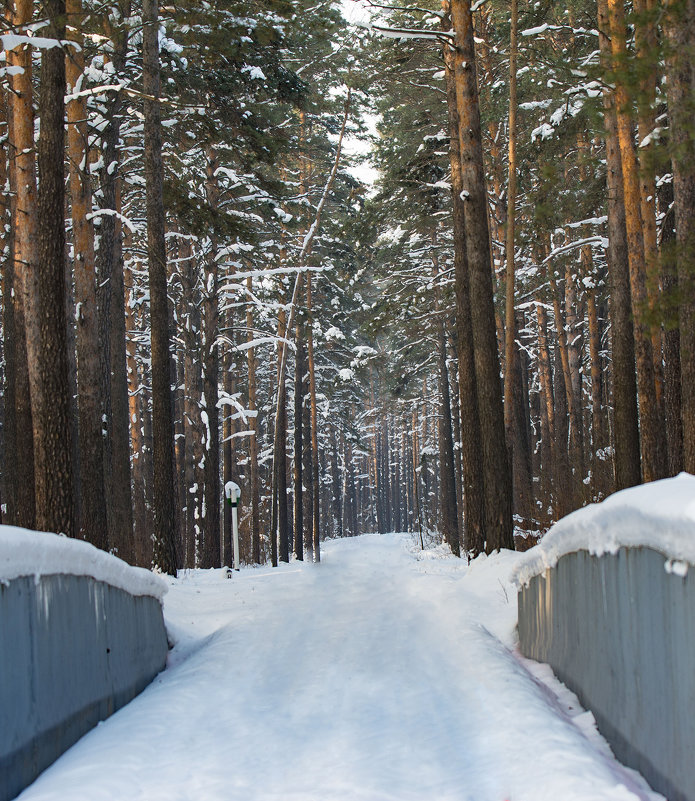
(380, 675)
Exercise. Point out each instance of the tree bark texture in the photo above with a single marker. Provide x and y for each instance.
(678, 26)
(626, 439)
(93, 520)
(497, 477)
(213, 490)
(164, 535)
(471, 446)
(652, 439)
(26, 283)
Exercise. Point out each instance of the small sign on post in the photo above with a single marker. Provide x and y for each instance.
(232, 492)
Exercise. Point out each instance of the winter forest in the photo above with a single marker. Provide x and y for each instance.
(387, 267)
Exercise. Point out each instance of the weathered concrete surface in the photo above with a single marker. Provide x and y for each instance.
(72, 651)
(619, 630)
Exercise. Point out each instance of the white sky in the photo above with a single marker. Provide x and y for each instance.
(358, 12)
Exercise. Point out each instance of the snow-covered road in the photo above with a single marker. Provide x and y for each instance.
(383, 674)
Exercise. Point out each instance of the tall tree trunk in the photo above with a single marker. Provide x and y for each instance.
(672, 337)
(600, 480)
(446, 453)
(309, 491)
(509, 318)
(280, 531)
(192, 391)
(497, 477)
(228, 431)
(647, 60)
(316, 532)
(111, 303)
(164, 535)
(93, 520)
(626, 427)
(564, 499)
(653, 455)
(26, 272)
(678, 26)
(253, 439)
(456, 425)
(135, 416)
(298, 431)
(385, 472)
(55, 501)
(336, 494)
(574, 325)
(213, 491)
(9, 328)
(471, 445)
(522, 472)
(571, 501)
(547, 406)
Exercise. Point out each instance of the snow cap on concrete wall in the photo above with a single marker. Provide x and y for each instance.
(36, 553)
(659, 515)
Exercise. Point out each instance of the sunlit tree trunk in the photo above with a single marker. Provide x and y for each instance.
(626, 441)
(471, 446)
(652, 439)
(497, 478)
(26, 273)
(547, 415)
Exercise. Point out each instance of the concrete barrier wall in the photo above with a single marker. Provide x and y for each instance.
(73, 650)
(619, 630)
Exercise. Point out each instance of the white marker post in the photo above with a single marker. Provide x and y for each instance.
(232, 492)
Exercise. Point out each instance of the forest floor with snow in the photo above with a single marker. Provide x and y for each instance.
(383, 674)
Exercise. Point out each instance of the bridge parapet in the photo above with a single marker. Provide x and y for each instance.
(608, 600)
(81, 634)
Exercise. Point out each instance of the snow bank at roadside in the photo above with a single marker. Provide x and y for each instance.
(36, 553)
(659, 515)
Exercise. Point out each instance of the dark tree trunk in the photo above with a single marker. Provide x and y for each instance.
(283, 540)
(336, 504)
(112, 334)
(213, 491)
(446, 454)
(678, 26)
(253, 440)
(10, 336)
(55, 502)
(93, 519)
(298, 439)
(164, 534)
(672, 337)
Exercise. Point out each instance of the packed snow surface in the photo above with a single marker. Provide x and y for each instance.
(659, 515)
(382, 674)
(36, 553)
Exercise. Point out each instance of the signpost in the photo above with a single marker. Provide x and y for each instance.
(232, 493)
